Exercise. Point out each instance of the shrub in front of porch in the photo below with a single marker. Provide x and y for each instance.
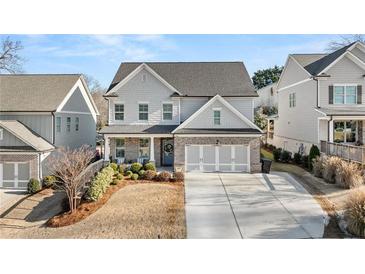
(135, 167)
(355, 212)
(114, 166)
(164, 176)
(100, 183)
(313, 154)
(33, 186)
(348, 175)
(149, 166)
(149, 175)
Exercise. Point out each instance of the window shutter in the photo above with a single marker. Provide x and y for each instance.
(359, 94)
(330, 95)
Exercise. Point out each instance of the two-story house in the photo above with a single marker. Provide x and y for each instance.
(195, 116)
(321, 102)
(39, 113)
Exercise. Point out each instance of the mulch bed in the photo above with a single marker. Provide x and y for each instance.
(86, 208)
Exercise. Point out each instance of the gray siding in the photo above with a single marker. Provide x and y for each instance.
(243, 105)
(292, 74)
(41, 124)
(344, 71)
(76, 102)
(190, 106)
(73, 139)
(358, 53)
(228, 119)
(10, 140)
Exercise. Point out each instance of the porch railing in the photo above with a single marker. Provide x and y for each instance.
(344, 151)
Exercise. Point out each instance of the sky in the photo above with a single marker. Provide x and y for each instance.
(100, 55)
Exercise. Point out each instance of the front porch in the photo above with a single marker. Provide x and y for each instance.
(345, 151)
(142, 149)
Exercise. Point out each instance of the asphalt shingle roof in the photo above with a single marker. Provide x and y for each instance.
(217, 131)
(34, 92)
(139, 129)
(198, 78)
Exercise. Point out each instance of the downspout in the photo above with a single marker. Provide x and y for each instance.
(317, 99)
(328, 128)
(40, 175)
(53, 127)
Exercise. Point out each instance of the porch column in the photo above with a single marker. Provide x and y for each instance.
(330, 131)
(106, 148)
(152, 150)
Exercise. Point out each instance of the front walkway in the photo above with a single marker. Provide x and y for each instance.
(228, 205)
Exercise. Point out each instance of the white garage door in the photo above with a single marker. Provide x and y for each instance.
(14, 175)
(211, 158)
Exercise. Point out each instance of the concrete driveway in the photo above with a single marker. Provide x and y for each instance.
(9, 197)
(236, 205)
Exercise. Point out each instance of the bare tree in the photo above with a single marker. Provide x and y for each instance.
(67, 165)
(93, 84)
(345, 40)
(10, 61)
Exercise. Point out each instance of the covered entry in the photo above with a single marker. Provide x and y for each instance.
(212, 158)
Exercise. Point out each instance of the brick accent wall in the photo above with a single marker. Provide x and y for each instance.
(157, 151)
(180, 142)
(31, 158)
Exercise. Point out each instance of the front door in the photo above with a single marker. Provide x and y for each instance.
(167, 152)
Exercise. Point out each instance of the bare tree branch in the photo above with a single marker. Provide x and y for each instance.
(345, 40)
(67, 165)
(10, 61)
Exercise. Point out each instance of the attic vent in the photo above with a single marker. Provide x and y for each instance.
(144, 77)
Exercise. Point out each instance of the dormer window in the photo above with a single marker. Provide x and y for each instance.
(217, 117)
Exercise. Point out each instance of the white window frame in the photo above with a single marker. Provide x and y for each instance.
(292, 100)
(214, 118)
(16, 174)
(119, 148)
(119, 112)
(1, 134)
(344, 94)
(58, 124)
(148, 148)
(163, 111)
(68, 124)
(77, 123)
(345, 139)
(143, 112)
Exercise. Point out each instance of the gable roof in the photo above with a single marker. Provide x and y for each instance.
(26, 135)
(197, 78)
(34, 92)
(226, 104)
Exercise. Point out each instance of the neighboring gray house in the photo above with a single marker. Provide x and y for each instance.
(321, 101)
(39, 113)
(268, 96)
(195, 116)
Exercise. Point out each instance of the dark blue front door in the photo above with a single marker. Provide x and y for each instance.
(167, 152)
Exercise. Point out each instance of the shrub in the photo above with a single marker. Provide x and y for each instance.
(120, 176)
(285, 156)
(149, 175)
(134, 176)
(297, 158)
(150, 166)
(141, 173)
(348, 175)
(129, 173)
(318, 165)
(33, 186)
(305, 161)
(313, 153)
(276, 153)
(114, 182)
(114, 166)
(329, 168)
(135, 167)
(164, 176)
(178, 176)
(100, 183)
(121, 169)
(49, 181)
(355, 213)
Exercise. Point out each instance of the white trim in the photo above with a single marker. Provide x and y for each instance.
(295, 84)
(179, 111)
(74, 112)
(135, 72)
(320, 112)
(356, 60)
(48, 113)
(172, 110)
(344, 94)
(121, 135)
(217, 135)
(226, 104)
(1, 134)
(300, 65)
(353, 58)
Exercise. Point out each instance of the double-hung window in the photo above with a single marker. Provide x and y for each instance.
(345, 94)
(292, 100)
(119, 148)
(58, 124)
(119, 112)
(68, 124)
(167, 111)
(143, 112)
(217, 117)
(77, 123)
(144, 150)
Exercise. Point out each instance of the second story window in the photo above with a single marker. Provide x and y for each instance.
(119, 112)
(217, 117)
(58, 124)
(143, 112)
(167, 111)
(292, 100)
(77, 123)
(68, 124)
(345, 94)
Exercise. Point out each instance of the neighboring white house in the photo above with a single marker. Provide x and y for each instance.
(268, 96)
(39, 113)
(321, 101)
(190, 115)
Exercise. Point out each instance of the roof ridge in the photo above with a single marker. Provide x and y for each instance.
(182, 62)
